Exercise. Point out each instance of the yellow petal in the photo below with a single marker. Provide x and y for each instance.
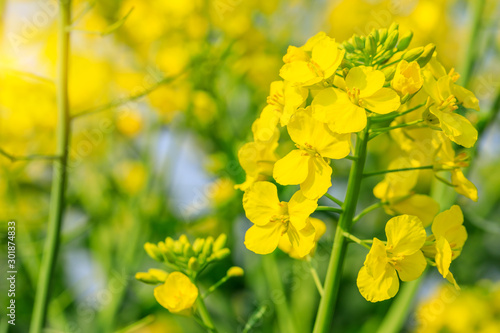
(366, 79)
(451, 279)
(456, 127)
(299, 72)
(319, 226)
(405, 235)
(302, 241)
(448, 224)
(327, 55)
(383, 101)
(265, 126)
(378, 289)
(466, 97)
(463, 186)
(263, 239)
(261, 202)
(419, 205)
(292, 169)
(319, 178)
(376, 259)
(443, 256)
(299, 209)
(412, 266)
(177, 294)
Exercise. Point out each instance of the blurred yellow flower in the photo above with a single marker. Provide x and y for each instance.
(177, 294)
(129, 123)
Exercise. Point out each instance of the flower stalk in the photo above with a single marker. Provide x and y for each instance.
(59, 179)
(331, 288)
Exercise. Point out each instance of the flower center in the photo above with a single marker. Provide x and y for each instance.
(449, 104)
(314, 67)
(353, 95)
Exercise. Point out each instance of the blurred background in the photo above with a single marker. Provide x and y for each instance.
(163, 95)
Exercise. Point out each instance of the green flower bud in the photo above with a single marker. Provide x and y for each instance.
(169, 242)
(426, 56)
(153, 251)
(235, 271)
(360, 42)
(178, 247)
(207, 247)
(404, 42)
(391, 40)
(220, 242)
(389, 72)
(188, 250)
(183, 239)
(382, 33)
(394, 27)
(198, 245)
(370, 45)
(193, 264)
(413, 54)
(221, 254)
(153, 276)
(171, 258)
(349, 47)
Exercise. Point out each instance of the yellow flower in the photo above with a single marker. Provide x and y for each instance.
(448, 237)
(177, 294)
(282, 102)
(377, 279)
(456, 127)
(344, 111)
(396, 191)
(257, 159)
(306, 165)
(316, 61)
(407, 79)
(274, 220)
(287, 247)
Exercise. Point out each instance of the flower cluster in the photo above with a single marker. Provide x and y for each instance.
(367, 86)
(177, 291)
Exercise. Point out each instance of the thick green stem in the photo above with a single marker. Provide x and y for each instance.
(333, 275)
(285, 318)
(59, 179)
(205, 316)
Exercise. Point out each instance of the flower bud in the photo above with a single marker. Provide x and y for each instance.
(426, 56)
(198, 245)
(360, 42)
(370, 45)
(153, 251)
(169, 243)
(188, 250)
(153, 276)
(391, 40)
(220, 242)
(235, 271)
(221, 254)
(207, 247)
(413, 54)
(193, 264)
(382, 33)
(178, 247)
(394, 27)
(183, 239)
(404, 42)
(348, 47)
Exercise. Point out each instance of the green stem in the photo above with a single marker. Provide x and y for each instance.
(205, 316)
(356, 240)
(59, 178)
(327, 305)
(331, 197)
(367, 210)
(395, 318)
(368, 174)
(473, 42)
(273, 276)
(390, 128)
(315, 276)
(329, 209)
(379, 119)
(215, 286)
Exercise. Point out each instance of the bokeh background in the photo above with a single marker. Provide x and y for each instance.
(165, 93)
